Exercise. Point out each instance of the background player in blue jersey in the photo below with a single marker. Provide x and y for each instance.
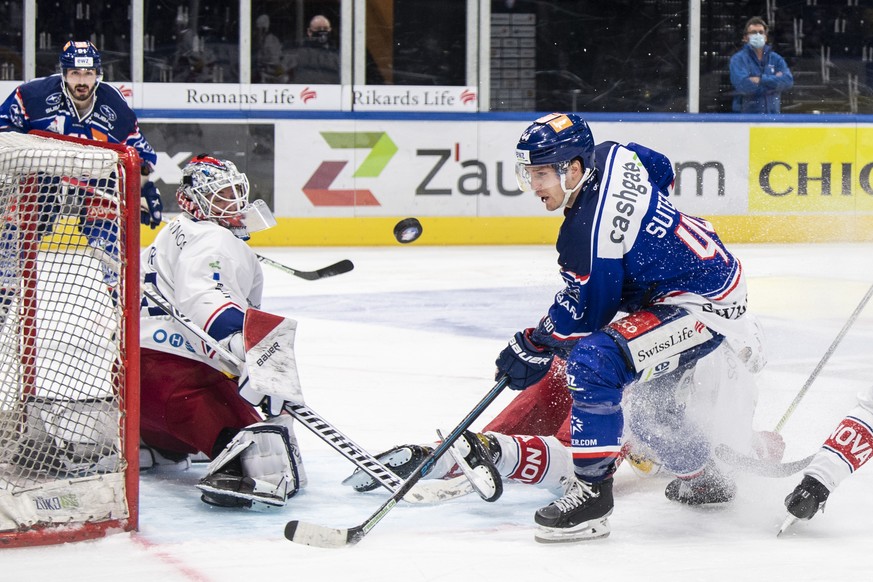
(648, 292)
(75, 102)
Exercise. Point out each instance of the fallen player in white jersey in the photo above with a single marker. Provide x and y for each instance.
(849, 446)
(528, 442)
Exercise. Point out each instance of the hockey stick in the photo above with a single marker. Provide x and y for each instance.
(338, 268)
(754, 465)
(321, 427)
(824, 359)
(327, 537)
(761, 467)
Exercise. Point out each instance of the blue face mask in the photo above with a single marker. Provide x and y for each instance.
(757, 40)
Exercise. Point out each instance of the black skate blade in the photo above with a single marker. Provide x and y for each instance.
(594, 529)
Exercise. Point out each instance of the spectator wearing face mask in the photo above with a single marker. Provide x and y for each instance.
(759, 75)
(316, 61)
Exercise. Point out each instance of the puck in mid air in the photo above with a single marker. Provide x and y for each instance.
(407, 230)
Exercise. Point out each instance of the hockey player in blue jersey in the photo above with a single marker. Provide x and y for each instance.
(648, 292)
(75, 103)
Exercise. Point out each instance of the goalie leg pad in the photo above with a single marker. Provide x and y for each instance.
(260, 468)
(69, 436)
(158, 460)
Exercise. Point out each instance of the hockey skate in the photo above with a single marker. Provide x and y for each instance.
(706, 488)
(475, 455)
(807, 499)
(402, 460)
(229, 488)
(580, 515)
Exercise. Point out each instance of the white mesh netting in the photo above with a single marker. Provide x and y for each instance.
(62, 332)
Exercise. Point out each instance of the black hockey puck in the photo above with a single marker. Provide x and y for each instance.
(407, 230)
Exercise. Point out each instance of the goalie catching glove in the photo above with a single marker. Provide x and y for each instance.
(260, 468)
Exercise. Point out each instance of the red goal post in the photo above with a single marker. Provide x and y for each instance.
(69, 339)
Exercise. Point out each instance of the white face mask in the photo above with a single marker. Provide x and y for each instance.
(757, 40)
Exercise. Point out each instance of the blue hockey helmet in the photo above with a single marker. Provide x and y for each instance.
(80, 55)
(554, 140)
(557, 137)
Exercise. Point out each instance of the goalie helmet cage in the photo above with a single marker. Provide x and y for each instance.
(69, 339)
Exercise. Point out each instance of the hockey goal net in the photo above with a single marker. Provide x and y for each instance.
(69, 345)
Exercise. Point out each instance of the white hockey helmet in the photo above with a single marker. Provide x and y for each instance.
(215, 190)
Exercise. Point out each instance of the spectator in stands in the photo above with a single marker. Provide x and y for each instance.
(316, 60)
(193, 61)
(759, 75)
(269, 66)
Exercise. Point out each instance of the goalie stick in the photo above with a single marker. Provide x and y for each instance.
(434, 493)
(311, 534)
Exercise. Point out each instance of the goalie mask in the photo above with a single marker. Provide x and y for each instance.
(546, 149)
(215, 190)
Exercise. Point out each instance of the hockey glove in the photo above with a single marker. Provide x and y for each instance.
(150, 205)
(523, 361)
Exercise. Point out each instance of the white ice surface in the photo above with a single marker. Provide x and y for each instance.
(405, 344)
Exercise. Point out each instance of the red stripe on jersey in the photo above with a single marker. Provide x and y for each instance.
(853, 441)
(533, 459)
(636, 324)
(734, 283)
(218, 312)
(581, 279)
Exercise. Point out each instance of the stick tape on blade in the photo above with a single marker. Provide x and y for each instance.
(272, 366)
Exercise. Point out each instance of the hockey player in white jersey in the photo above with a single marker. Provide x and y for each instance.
(192, 400)
(849, 446)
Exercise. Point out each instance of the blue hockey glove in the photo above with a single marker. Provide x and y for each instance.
(150, 205)
(523, 361)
